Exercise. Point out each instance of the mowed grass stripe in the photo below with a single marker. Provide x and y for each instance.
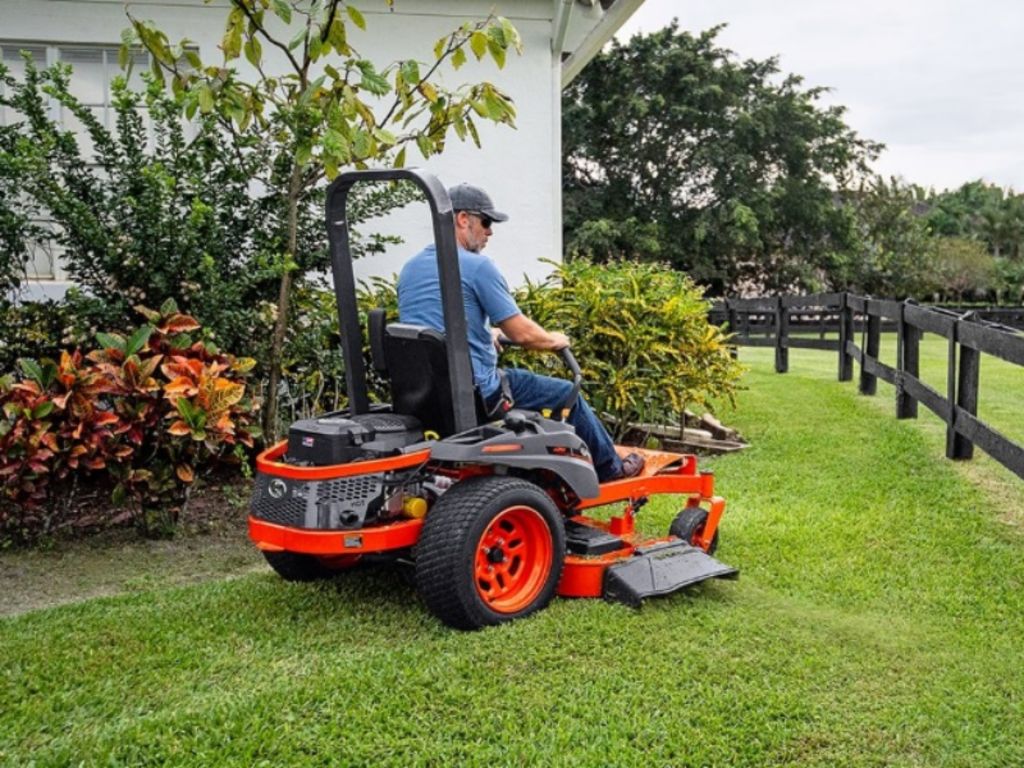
(876, 623)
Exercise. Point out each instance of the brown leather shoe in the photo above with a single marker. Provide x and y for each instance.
(632, 466)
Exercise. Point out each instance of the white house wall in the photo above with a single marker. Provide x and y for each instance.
(520, 167)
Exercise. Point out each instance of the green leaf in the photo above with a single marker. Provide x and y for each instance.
(298, 39)
(512, 38)
(339, 38)
(189, 413)
(169, 307)
(478, 42)
(356, 16)
(282, 10)
(410, 70)
(253, 51)
(43, 410)
(471, 126)
(429, 91)
(111, 341)
(459, 57)
(138, 340)
(425, 146)
(439, 47)
(497, 52)
(231, 43)
(371, 80)
(362, 144)
(316, 46)
(400, 159)
(205, 98)
(495, 109)
(32, 370)
(497, 34)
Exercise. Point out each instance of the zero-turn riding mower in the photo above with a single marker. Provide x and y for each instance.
(491, 513)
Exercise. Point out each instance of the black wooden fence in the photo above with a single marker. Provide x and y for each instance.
(790, 322)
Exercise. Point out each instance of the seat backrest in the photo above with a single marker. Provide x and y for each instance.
(417, 365)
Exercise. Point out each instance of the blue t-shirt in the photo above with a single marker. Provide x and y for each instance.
(486, 298)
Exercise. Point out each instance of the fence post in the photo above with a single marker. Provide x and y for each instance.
(908, 361)
(868, 381)
(951, 392)
(730, 318)
(845, 334)
(781, 337)
(958, 446)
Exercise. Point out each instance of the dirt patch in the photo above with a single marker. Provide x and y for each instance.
(211, 543)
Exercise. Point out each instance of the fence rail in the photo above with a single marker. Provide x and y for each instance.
(770, 322)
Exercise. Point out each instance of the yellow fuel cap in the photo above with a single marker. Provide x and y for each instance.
(414, 507)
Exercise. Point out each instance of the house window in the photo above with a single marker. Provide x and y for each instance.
(93, 69)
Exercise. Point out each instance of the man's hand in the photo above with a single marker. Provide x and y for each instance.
(561, 341)
(529, 335)
(496, 336)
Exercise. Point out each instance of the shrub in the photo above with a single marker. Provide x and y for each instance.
(641, 335)
(149, 410)
(160, 210)
(33, 329)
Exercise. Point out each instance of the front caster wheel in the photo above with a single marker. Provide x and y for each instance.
(689, 526)
(491, 551)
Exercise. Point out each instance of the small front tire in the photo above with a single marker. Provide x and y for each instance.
(689, 526)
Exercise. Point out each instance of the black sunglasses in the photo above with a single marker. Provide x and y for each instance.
(485, 220)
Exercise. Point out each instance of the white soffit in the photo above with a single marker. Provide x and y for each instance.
(598, 27)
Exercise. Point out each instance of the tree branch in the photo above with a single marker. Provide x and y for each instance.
(266, 35)
(451, 48)
(326, 29)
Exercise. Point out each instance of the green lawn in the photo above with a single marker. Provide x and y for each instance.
(878, 621)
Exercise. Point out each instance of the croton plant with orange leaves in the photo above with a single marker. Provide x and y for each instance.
(150, 410)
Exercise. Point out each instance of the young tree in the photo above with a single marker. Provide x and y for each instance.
(733, 163)
(894, 250)
(962, 267)
(331, 107)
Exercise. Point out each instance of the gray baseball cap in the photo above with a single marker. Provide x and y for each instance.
(466, 197)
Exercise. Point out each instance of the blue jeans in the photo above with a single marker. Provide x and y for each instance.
(534, 392)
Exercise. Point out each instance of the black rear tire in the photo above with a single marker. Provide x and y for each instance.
(689, 525)
(292, 566)
(500, 524)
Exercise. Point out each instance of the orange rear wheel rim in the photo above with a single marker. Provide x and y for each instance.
(514, 558)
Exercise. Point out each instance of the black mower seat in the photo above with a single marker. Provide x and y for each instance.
(417, 367)
(414, 359)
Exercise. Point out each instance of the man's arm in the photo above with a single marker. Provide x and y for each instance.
(529, 335)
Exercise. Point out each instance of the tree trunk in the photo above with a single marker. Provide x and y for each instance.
(283, 302)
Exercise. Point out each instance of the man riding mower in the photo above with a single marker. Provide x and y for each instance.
(489, 506)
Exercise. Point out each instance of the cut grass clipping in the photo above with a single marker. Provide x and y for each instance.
(877, 622)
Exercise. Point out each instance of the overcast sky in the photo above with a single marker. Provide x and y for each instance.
(940, 83)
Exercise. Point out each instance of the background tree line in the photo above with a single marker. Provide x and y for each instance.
(675, 150)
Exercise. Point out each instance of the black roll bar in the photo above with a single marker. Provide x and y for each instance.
(459, 369)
